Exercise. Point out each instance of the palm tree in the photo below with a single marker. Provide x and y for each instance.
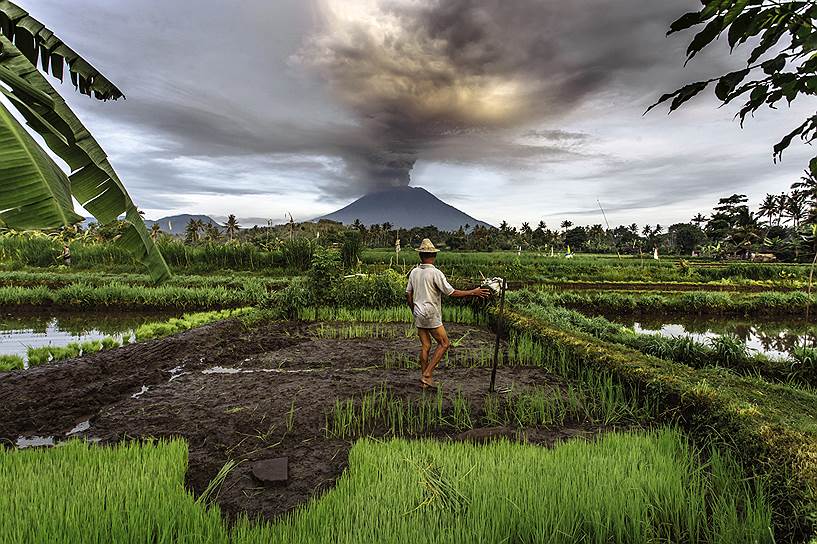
(808, 186)
(768, 208)
(191, 231)
(795, 208)
(231, 226)
(155, 231)
(699, 219)
(37, 193)
(566, 224)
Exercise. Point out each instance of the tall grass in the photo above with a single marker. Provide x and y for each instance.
(636, 487)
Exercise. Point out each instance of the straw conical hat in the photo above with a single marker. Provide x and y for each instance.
(427, 247)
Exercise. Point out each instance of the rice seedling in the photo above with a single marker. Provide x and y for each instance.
(186, 322)
(640, 487)
(357, 330)
(11, 362)
(622, 487)
(451, 314)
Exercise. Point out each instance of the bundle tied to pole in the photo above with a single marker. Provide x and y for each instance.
(500, 285)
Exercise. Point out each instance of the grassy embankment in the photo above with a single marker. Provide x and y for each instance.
(771, 427)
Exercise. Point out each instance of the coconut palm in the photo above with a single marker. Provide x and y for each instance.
(155, 231)
(794, 209)
(808, 187)
(768, 208)
(35, 193)
(231, 226)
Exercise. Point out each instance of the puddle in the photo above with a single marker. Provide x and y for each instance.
(80, 428)
(34, 442)
(223, 370)
(140, 393)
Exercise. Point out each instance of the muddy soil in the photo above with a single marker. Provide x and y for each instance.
(248, 395)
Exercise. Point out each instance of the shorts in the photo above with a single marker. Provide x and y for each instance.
(427, 316)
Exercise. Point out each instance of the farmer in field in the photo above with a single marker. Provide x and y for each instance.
(426, 286)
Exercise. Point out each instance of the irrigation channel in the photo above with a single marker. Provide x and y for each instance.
(773, 338)
(21, 329)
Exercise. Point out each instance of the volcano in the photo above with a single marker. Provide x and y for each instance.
(404, 207)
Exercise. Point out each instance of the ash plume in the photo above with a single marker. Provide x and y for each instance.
(415, 73)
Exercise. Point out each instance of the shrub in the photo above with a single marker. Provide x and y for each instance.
(297, 253)
(352, 249)
(324, 273)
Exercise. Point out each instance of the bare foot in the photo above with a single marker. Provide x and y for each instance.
(426, 382)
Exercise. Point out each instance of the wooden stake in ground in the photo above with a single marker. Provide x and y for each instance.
(500, 325)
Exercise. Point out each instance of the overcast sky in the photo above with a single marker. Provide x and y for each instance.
(527, 110)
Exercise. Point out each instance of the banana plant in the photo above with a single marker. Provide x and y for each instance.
(35, 193)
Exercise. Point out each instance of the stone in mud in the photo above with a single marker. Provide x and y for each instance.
(272, 471)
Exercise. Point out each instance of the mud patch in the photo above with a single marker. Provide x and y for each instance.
(283, 380)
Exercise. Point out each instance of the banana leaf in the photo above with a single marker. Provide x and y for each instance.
(34, 191)
(39, 45)
(93, 181)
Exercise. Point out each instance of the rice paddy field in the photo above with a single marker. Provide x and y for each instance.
(636, 401)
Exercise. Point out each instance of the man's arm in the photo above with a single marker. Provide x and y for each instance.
(410, 300)
(479, 292)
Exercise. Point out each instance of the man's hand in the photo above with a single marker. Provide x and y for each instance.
(480, 292)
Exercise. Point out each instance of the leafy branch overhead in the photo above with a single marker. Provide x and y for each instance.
(34, 192)
(780, 39)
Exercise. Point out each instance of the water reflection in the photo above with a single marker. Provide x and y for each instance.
(20, 330)
(772, 338)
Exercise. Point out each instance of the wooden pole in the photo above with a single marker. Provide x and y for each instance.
(500, 324)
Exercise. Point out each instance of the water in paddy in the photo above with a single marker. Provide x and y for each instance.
(20, 330)
(772, 338)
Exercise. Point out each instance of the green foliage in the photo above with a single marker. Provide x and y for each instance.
(689, 302)
(623, 487)
(297, 253)
(80, 295)
(771, 427)
(351, 249)
(324, 273)
(186, 322)
(93, 182)
(51, 354)
(780, 66)
(451, 314)
(11, 362)
(371, 291)
(288, 302)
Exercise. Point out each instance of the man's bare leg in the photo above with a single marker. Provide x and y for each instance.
(441, 336)
(425, 340)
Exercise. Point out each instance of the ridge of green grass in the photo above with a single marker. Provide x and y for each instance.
(771, 427)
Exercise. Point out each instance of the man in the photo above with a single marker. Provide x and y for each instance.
(426, 285)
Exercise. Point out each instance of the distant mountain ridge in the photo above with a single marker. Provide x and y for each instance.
(404, 207)
(175, 224)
